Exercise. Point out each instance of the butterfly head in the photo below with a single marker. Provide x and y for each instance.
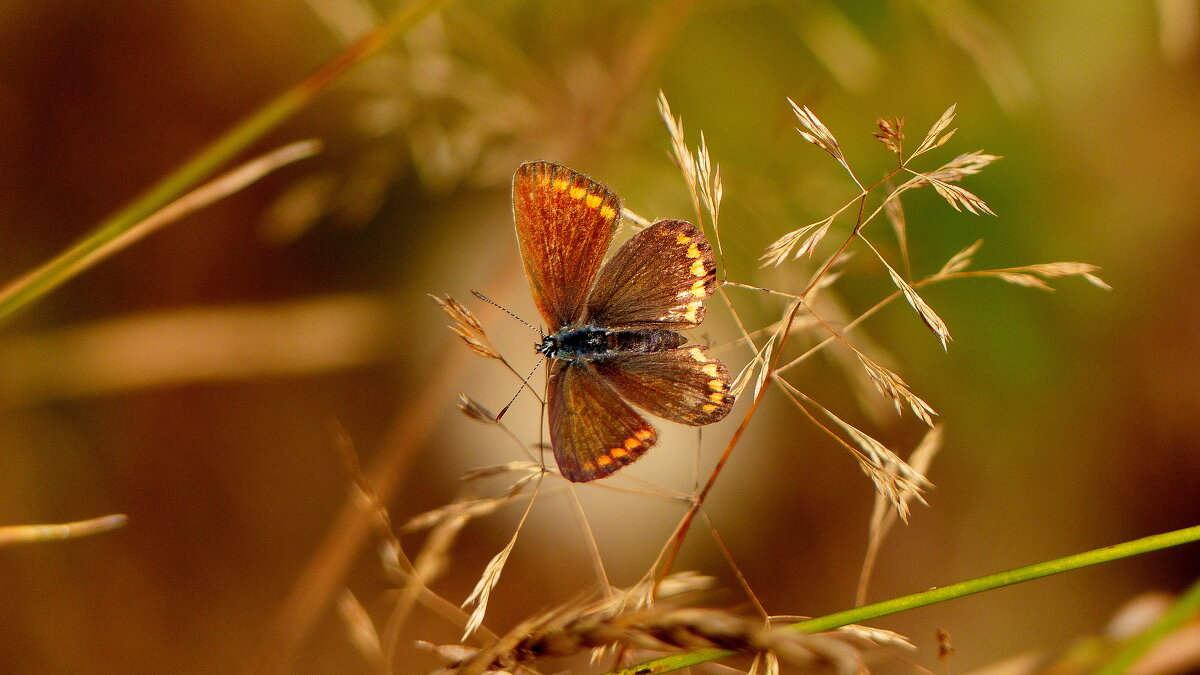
(548, 347)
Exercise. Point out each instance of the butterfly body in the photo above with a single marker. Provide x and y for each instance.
(592, 343)
(613, 335)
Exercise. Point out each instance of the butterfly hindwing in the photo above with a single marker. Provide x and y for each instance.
(592, 430)
(565, 222)
(658, 279)
(683, 385)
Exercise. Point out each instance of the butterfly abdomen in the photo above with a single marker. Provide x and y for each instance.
(589, 343)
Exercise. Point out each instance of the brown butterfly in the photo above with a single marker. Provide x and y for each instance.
(613, 338)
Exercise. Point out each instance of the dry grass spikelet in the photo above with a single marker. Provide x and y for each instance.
(966, 164)
(928, 316)
(960, 261)
(814, 131)
(679, 149)
(711, 189)
(895, 388)
(359, 628)
(1024, 275)
(935, 138)
(467, 327)
(894, 479)
(517, 466)
(475, 410)
(460, 510)
(960, 198)
(806, 237)
(891, 134)
(575, 629)
(1030, 276)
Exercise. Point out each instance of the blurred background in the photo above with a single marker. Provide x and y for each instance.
(206, 381)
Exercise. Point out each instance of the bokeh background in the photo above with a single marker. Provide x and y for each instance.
(196, 381)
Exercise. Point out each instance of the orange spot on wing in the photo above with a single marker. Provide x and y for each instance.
(716, 397)
(693, 251)
(578, 192)
(697, 269)
(593, 201)
(561, 184)
(608, 212)
(698, 354)
(708, 407)
(644, 434)
(711, 370)
(716, 385)
(604, 460)
(683, 239)
(618, 453)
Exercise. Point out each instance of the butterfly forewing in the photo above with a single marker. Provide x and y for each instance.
(565, 222)
(592, 430)
(684, 384)
(659, 279)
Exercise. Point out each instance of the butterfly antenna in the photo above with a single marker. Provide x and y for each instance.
(524, 383)
(504, 309)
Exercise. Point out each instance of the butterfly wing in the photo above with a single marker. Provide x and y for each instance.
(592, 430)
(565, 222)
(684, 384)
(658, 279)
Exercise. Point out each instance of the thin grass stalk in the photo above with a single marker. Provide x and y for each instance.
(589, 537)
(676, 543)
(26, 534)
(961, 589)
(858, 225)
(232, 181)
(323, 573)
(733, 566)
(667, 558)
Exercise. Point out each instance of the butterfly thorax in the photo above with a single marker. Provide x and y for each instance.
(589, 343)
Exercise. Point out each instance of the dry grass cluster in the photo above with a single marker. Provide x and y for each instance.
(610, 622)
(623, 624)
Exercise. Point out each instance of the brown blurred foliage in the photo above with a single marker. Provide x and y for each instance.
(195, 381)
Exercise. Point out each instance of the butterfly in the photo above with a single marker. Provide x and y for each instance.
(613, 338)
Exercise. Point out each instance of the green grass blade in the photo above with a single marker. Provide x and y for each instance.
(1187, 606)
(205, 163)
(941, 594)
